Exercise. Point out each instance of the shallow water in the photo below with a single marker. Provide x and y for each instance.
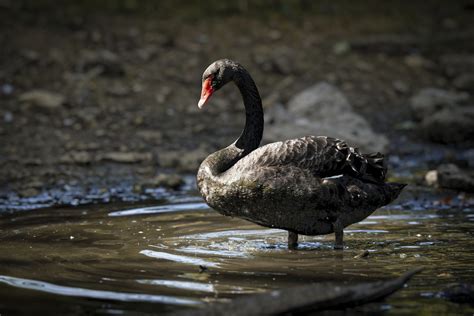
(112, 259)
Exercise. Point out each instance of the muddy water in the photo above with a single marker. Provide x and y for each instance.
(114, 259)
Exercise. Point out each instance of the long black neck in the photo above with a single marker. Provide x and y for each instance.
(251, 136)
(253, 130)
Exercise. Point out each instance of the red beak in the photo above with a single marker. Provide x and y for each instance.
(206, 92)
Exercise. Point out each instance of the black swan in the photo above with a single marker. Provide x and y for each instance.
(312, 185)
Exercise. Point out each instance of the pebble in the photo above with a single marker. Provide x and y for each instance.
(341, 48)
(127, 157)
(8, 117)
(6, 89)
(42, 99)
(416, 61)
(363, 254)
(80, 157)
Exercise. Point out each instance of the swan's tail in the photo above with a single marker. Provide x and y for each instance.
(394, 190)
(369, 167)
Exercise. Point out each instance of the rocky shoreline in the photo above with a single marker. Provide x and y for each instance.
(103, 107)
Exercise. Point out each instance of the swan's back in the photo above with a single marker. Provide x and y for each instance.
(317, 156)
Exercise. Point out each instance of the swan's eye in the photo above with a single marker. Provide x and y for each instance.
(213, 80)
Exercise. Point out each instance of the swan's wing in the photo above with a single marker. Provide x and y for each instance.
(322, 156)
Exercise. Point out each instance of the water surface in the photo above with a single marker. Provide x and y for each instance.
(112, 259)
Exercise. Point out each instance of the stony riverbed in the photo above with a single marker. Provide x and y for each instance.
(101, 105)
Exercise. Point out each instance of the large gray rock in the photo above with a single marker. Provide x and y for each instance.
(450, 126)
(450, 176)
(322, 109)
(430, 100)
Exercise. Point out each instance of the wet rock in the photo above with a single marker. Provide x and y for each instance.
(147, 53)
(363, 254)
(127, 157)
(154, 136)
(430, 100)
(364, 66)
(28, 192)
(323, 109)
(172, 181)
(444, 116)
(77, 157)
(406, 125)
(36, 183)
(42, 99)
(400, 86)
(450, 126)
(274, 34)
(108, 62)
(30, 56)
(459, 293)
(464, 81)
(455, 64)
(56, 56)
(8, 117)
(162, 94)
(416, 61)
(450, 176)
(6, 89)
(118, 89)
(33, 162)
(431, 178)
(341, 48)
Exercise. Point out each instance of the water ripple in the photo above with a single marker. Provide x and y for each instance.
(178, 258)
(96, 294)
(186, 285)
(217, 252)
(161, 209)
(237, 232)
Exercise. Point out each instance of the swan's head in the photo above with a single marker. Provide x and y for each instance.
(216, 76)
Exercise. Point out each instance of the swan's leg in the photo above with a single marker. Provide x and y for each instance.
(339, 232)
(292, 240)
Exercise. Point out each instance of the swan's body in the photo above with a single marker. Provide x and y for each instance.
(310, 185)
